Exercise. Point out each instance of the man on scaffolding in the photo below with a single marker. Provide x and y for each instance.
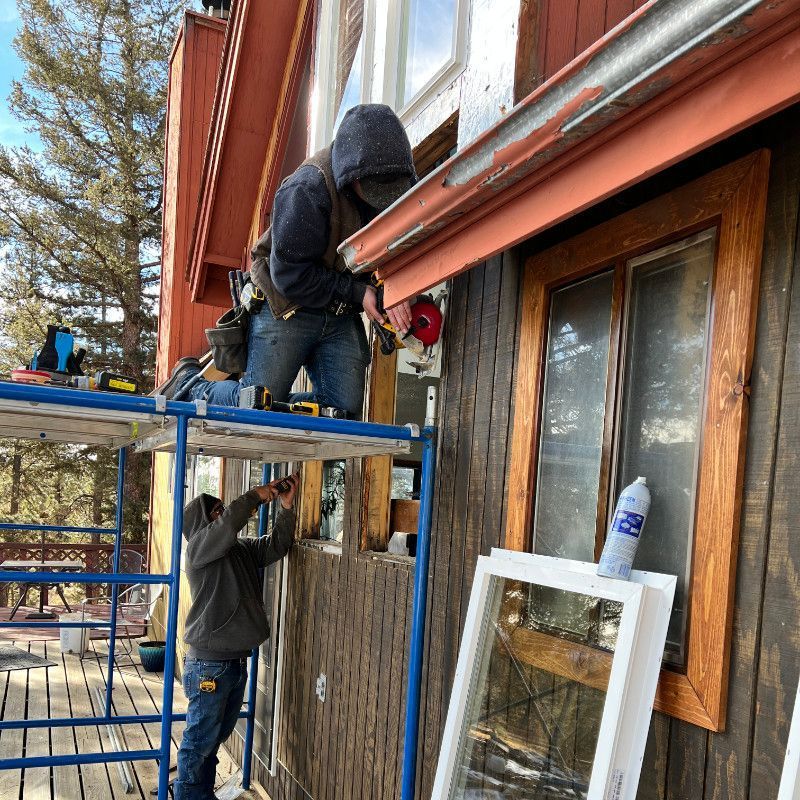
(310, 312)
(225, 622)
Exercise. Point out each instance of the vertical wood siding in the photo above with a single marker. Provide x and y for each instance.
(568, 27)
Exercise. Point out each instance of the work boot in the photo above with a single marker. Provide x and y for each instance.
(181, 372)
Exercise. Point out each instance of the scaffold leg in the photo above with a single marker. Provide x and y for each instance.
(247, 758)
(112, 634)
(415, 658)
(178, 490)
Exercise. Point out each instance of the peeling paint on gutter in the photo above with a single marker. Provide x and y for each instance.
(645, 55)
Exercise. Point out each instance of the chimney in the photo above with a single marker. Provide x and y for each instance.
(220, 9)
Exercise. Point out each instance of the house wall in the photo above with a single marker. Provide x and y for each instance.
(192, 80)
(181, 324)
(349, 614)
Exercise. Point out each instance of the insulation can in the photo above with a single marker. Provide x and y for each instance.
(626, 528)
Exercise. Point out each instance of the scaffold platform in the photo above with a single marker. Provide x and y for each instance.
(154, 424)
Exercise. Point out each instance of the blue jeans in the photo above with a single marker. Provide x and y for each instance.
(210, 720)
(333, 350)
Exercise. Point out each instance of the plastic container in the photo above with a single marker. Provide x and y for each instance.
(626, 528)
(74, 640)
(151, 655)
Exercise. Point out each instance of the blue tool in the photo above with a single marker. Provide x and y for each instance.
(64, 344)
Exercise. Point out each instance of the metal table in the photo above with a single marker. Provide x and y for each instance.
(41, 566)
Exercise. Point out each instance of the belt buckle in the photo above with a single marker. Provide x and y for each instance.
(339, 308)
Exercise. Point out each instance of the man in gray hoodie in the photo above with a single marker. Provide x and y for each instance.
(226, 621)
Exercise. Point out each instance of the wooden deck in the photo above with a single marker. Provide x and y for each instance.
(68, 690)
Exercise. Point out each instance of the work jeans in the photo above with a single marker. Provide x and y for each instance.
(210, 720)
(334, 351)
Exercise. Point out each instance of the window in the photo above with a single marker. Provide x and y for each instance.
(644, 326)
(665, 313)
(548, 694)
(429, 51)
(417, 46)
(333, 496)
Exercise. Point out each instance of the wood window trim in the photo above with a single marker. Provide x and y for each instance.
(377, 470)
(734, 199)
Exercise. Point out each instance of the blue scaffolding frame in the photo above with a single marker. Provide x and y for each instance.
(156, 424)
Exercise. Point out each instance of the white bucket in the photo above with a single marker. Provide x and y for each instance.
(74, 640)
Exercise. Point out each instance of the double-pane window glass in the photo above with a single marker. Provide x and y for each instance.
(531, 730)
(573, 410)
(664, 381)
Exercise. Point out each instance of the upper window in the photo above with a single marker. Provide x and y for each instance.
(428, 47)
(635, 355)
(401, 53)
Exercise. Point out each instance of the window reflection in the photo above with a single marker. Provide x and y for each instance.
(530, 729)
(572, 419)
(429, 30)
(349, 51)
(664, 383)
(332, 504)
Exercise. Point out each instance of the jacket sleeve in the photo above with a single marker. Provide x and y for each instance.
(300, 231)
(213, 542)
(269, 549)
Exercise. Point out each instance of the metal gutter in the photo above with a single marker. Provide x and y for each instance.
(633, 70)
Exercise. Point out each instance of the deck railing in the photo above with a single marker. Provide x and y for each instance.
(95, 557)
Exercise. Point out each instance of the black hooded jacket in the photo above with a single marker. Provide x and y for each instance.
(371, 140)
(227, 617)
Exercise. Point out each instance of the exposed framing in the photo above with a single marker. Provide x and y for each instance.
(629, 678)
(790, 777)
(733, 198)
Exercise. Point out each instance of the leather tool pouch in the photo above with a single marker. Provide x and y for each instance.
(228, 341)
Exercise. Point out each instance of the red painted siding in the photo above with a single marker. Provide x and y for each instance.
(192, 80)
(568, 27)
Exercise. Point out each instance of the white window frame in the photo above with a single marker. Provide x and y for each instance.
(446, 74)
(790, 778)
(380, 61)
(647, 601)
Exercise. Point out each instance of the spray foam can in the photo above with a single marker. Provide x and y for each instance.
(626, 528)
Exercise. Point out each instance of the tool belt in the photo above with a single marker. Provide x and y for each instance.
(228, 340)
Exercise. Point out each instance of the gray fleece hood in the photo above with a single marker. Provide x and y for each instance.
(197, 514)
(370, 141)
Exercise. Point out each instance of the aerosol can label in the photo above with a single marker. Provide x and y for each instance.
(623, 535)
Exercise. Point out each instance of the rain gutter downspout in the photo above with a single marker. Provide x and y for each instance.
(657, 46)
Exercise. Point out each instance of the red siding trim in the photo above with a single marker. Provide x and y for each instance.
(263, 43)
(194, 65)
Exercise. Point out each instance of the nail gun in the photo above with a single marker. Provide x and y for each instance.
(425, 330)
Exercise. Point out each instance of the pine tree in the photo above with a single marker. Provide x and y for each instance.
(80, 219)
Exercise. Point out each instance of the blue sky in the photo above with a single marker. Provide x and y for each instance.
(11, 131)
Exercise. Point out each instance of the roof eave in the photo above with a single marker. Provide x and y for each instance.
(660, 51)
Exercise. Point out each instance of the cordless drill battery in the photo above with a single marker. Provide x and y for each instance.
(255, 397)
(107, 381)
